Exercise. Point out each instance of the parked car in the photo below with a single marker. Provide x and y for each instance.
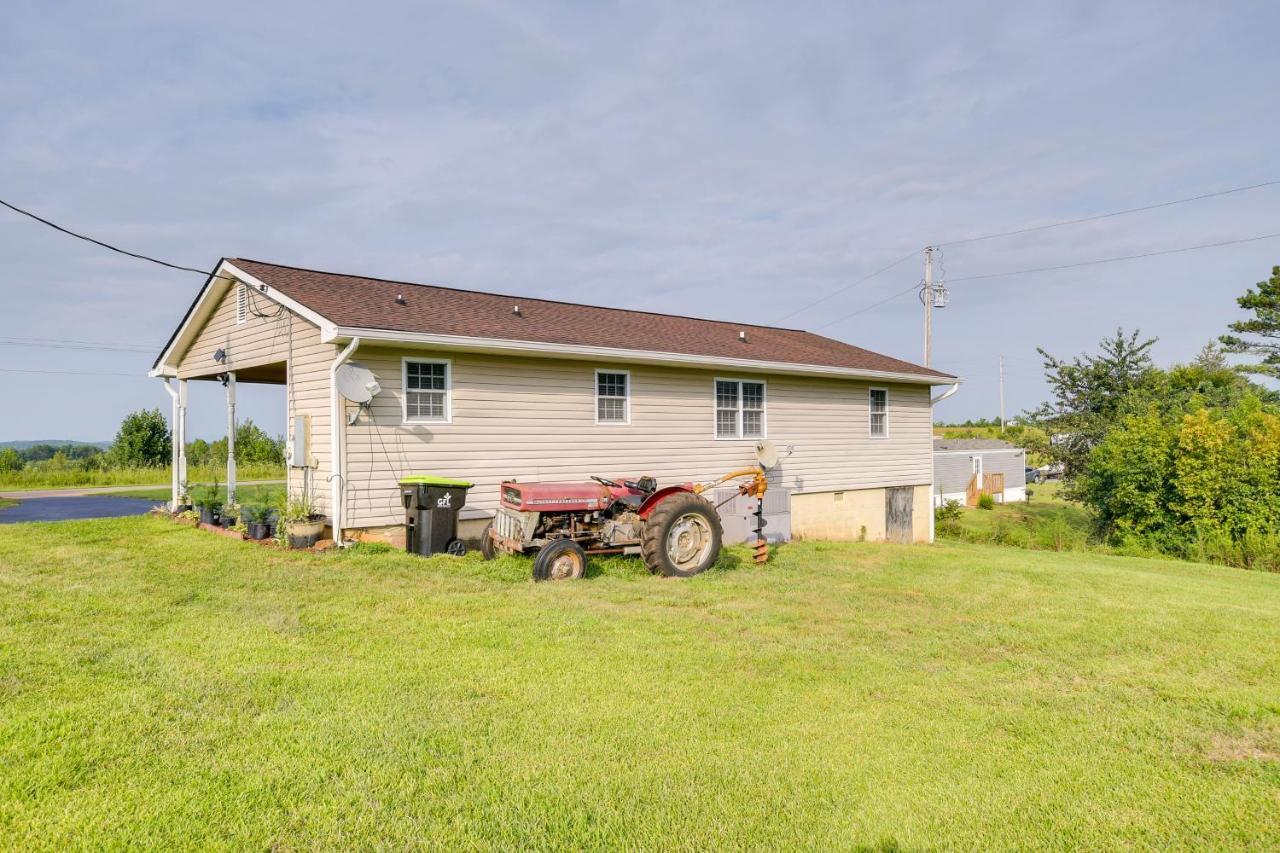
(1033, 474)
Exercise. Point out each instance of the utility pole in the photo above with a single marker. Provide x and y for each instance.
(1002, 393)
(926, 296)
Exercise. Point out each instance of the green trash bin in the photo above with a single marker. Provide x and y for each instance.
(431, 507)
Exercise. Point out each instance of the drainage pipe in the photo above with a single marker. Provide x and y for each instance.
(945, 394)
(337, 479)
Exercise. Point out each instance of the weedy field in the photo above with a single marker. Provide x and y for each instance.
(162, 687)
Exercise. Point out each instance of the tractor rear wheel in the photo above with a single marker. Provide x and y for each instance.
(561, 560)
(486, 543)
(681, 536)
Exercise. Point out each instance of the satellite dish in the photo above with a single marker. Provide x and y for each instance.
(357, 383)
(766, 454)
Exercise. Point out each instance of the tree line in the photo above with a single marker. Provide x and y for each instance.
(1181, 460)
(144, 440)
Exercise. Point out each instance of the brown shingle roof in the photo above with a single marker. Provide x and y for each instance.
(370, 303)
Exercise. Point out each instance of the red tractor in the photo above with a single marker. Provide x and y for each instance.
(674, 529)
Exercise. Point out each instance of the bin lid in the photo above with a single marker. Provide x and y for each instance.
(430, 480)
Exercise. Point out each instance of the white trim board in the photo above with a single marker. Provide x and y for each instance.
(503, 346)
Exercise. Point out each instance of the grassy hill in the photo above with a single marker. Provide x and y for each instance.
(56, 442)
(164, 687)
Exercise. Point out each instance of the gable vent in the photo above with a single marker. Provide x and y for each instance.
(242, 304)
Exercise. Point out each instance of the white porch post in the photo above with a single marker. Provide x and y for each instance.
(182, 439)
(231, 437)
(173, 436)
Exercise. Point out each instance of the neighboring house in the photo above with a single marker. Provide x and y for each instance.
(488, 387)
(964, 467)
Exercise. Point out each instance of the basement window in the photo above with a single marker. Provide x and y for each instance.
(426, 391)
(242, 303)
(739, 409)
(613, 397)
(878, 410)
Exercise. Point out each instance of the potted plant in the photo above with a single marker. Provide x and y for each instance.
(230, 515)
(303, 524)
(208, 503)
(255, 521)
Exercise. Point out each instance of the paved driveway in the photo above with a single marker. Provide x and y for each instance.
(68, 508)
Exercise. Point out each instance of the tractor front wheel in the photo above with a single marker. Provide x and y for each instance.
(681, 536)
(486, 543)
(561, 560)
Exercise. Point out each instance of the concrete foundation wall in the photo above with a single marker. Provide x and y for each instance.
(854, 514)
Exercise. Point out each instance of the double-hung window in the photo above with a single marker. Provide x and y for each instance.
(878, 408)
(739, 409)
(613, 397)
(426, 391)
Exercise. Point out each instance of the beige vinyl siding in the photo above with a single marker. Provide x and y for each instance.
(535, 419)
(255, 342)
(309, 395)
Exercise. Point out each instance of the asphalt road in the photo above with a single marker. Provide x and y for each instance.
(81, 491)
(73, 507)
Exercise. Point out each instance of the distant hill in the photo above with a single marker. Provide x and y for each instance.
(56, 442)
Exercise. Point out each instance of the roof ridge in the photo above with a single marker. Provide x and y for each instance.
(540, 299)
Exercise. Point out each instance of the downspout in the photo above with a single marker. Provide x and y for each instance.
(337, 479)
(176, 436)
(955, 386)
(945, 394)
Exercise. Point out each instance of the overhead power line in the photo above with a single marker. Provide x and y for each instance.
(1029, 229)
(1117, 258)
(1178, 250)
(912, 289)
(55, 226)
(838, 291)
(80, 345)
(71, 372)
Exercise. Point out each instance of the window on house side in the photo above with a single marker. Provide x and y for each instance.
(612, 397)
(878, 402)
(426, 391)
(739, 409)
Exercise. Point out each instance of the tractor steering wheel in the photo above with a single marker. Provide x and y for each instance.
(602, 481)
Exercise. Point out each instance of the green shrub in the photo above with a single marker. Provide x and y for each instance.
(949, 529)
(1055, 534)
(947, 511)
(986, 501)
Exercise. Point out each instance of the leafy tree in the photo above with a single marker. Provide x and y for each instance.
(10, 460)
(1259, 335)
(1089, 392)
(198, 452)
(143, 441)
(253, 446)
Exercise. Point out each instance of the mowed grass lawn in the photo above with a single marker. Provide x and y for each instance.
(163, 687)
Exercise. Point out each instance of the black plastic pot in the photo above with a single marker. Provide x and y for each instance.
(208, 514)
(258, 530)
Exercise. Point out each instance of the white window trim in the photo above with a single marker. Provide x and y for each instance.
(242, 303)
(870, 431)
(764, 411)
(404, 390)
(626, 401)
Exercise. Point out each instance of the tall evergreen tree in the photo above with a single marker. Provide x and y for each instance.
(1259, 335)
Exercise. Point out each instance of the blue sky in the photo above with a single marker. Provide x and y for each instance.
(731, 160)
